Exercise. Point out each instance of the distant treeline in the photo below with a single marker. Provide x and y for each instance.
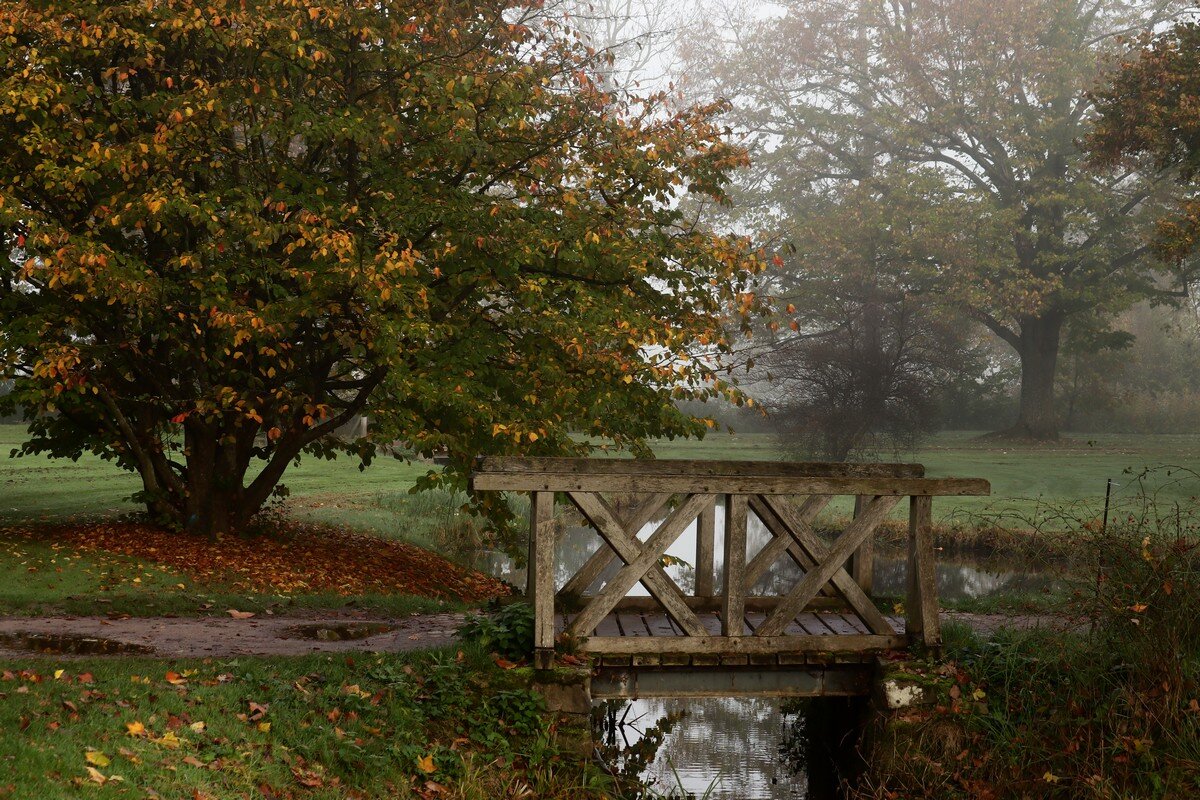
(1148, 382)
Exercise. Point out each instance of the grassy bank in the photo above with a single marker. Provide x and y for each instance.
(1104, 705)
(423, 725)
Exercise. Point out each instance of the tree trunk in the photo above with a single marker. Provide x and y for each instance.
(1039, 343)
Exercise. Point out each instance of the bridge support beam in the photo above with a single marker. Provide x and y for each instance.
(611, 683)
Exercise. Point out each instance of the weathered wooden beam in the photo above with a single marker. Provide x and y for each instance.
(691, 467)
(833, 562)
(862, 563)
(613, 683)
(777, 513)
(641, 562)
(733, 610)
(716, 603)
(740, 645)
(706, 537)
(779, 545)
(541, 576)
(921, 606)
(716, 484)
(646, 511)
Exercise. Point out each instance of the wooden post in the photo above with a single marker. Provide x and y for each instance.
(921, 608)
(706, 536)
(540, 583)
(862, 566)
(733, 609)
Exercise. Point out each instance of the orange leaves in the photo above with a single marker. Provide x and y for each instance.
(298, 558)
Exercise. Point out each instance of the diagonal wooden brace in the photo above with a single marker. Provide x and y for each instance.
(834, 561)
(637, 517)
(781, 518)
(782, 543)
(641, 562)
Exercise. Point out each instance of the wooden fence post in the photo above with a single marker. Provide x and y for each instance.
(706, 535)
(733, 608)
(540, 582)
(862, 566)
(921, 607)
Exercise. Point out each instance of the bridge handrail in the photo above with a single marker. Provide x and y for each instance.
(760, 487)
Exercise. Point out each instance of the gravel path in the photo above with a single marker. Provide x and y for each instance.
(290, 635)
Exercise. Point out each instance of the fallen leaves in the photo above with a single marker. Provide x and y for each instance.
(296, 558)
(233, 612)
(99, 777)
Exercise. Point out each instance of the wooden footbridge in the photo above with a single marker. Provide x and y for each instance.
(720, 639)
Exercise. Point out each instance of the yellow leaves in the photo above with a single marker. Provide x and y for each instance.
(168, 740)
(96, 776)
(314, 14)
(1050, 777)
(97, 758)
(426, 765)
(175, 679)
(264, 727)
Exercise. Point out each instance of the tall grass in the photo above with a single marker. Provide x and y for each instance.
(1105, 704)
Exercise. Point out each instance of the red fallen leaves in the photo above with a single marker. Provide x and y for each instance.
(295, 559)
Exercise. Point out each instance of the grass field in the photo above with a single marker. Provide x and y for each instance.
(1025, 479)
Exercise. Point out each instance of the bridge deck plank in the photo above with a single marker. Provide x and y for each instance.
(658, 625)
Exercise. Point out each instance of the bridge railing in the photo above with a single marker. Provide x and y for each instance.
(786, 497)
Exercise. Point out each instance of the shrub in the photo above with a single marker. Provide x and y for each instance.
(508, 632)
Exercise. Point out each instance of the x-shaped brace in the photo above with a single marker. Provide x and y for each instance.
(641, 562)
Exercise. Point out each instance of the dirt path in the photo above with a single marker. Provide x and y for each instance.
(204, 637)
(291, 635)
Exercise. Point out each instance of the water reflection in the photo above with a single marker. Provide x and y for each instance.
(756, 749)
(715, 748)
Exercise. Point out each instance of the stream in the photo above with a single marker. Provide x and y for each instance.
(749, 749)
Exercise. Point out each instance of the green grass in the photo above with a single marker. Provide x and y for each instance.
(39, 488)
(1025, 479)
(314, 727)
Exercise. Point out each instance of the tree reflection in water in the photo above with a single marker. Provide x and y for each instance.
(728, 748)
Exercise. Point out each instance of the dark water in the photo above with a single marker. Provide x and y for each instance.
(750, 749)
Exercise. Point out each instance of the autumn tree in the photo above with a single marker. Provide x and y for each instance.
(233, 225)
(1149, 121)
(993, 96)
